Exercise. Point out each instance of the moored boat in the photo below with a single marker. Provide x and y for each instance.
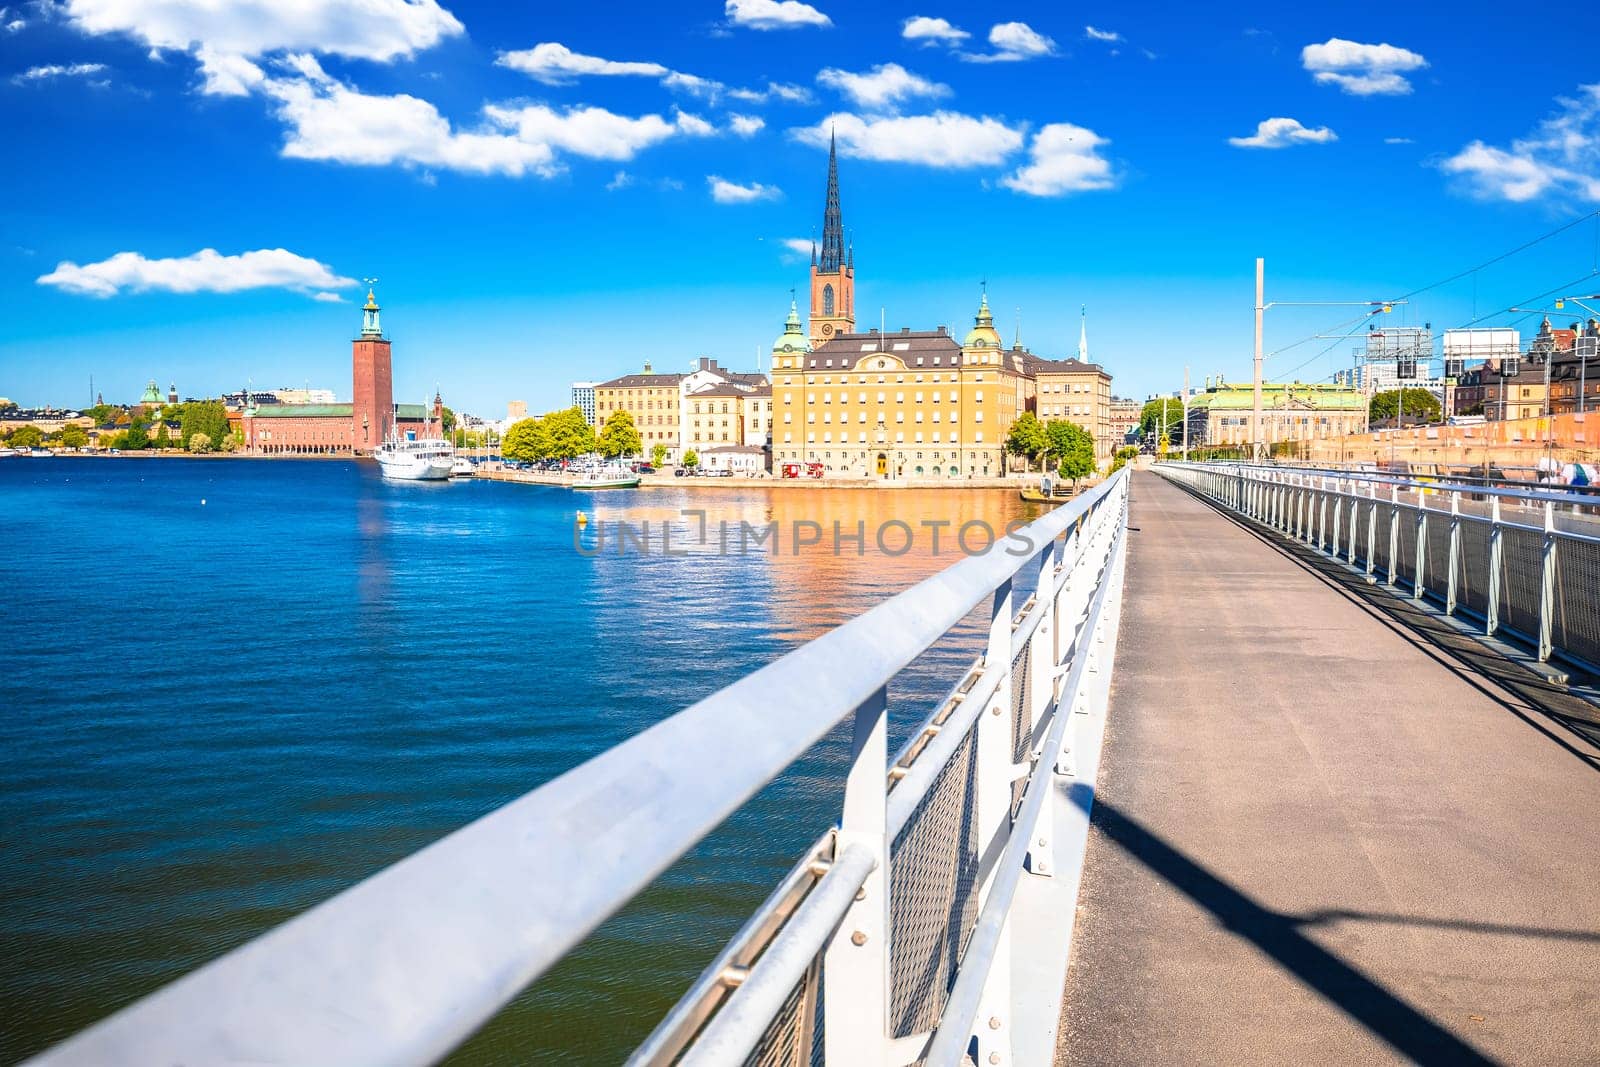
(428, 460)
(610, 476)
(462, 468)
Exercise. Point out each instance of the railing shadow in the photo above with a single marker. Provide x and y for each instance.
(1399, 1025)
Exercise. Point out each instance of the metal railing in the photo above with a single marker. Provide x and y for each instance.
(886, 943)
(1522, 564)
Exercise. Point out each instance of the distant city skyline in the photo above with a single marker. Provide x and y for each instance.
(562, 197)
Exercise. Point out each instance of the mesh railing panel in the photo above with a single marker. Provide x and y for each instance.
(1472, 588)
(787, 1041)
(933, 899)
(1380, 547)
(1022, 699)
(1521, 562)
(1576, 624)
(1408, 546)
(1436, 566)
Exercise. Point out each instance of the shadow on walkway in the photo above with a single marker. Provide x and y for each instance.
(1390, 1019)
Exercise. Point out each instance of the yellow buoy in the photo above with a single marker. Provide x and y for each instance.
(583, 520)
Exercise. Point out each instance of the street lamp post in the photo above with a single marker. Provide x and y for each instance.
(1583, 364)
(1257, 444)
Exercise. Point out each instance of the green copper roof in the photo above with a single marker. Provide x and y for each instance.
(152, 395)
(983, 334)
(793, 339)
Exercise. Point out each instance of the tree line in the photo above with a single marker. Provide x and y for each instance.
(566, 434)
(1070, 445)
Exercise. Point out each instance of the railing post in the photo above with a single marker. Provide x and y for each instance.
(1417, 585)
(1394, 535)
(1451, 584)
(1338, 513)
(1372, 531)
(1547, 584)
(1042, 653)
(993, 798)
(1491, 614)
(1322, 519)
(855, 968)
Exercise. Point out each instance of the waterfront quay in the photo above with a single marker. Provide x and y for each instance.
(1226, 764)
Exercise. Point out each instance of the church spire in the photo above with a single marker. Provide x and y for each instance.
(1083, 334)
(832, 218)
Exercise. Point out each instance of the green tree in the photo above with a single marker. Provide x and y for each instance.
(233, 442)
(1419, 405)
(29, 436)
(1151, 419)
(200, 443)
(1124, 454)
(691, 459)
(658, 455)
(74, 436)
(203, 416)
(523, 441)
(1027, 437)
(448, 417)
(619, 437)
(1073, 448)
(103, 414)
(567, 434)
(134, 439)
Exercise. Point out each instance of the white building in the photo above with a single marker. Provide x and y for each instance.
(583, 399)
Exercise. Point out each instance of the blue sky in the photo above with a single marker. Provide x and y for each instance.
(562, 193)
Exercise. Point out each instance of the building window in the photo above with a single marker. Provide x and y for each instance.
(827, 300)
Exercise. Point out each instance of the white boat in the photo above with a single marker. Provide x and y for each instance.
(462, 468)
(609, 476)
(428, 460)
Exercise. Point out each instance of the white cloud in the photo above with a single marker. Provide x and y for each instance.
(800, 246)
(883, 87)
(204, 272)
(228, 74)
(1281, 133)
(620, 180)
(942, 139)
(774, 14)
(1361, 69)
(328, 298)
(1013, 42)
(1101, 35)
(932, 31)
(726, 192)
(55, 70)
(789, 94)
(1397, 140)
(332, 122)
(1561, 157)
(221, 31)
(1064, 160)
(746, 125)
(556, 64)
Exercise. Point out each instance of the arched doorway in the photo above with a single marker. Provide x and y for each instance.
(883, 465)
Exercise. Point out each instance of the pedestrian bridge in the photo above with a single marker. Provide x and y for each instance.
(1256, 766)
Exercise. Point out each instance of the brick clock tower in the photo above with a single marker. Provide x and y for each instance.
(833, 275)
(373, 378)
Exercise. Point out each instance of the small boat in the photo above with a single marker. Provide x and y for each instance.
(462, 468)
(428, 460)
(610, 476)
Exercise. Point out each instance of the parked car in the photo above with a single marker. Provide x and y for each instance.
(643, 468)
(682, 472)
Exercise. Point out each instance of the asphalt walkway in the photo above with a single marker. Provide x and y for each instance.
(1317, 839)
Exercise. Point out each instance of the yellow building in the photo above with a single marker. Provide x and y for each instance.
(652, 399)
(915, 404)
(1073, 391)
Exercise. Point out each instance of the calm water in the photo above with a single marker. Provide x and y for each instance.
(232, 689)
